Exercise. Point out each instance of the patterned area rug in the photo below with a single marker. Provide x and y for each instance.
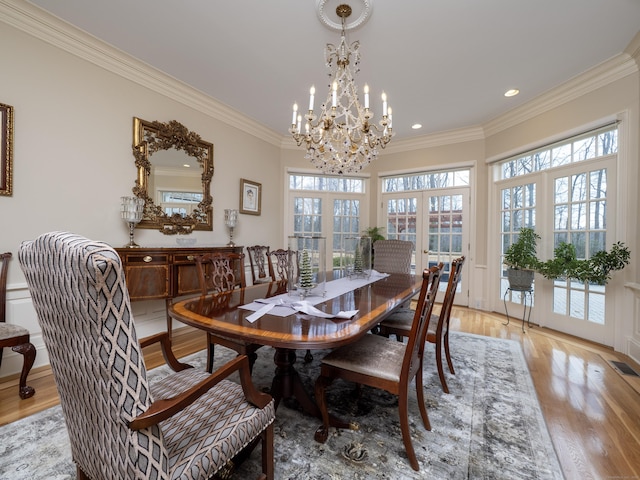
(489, 427)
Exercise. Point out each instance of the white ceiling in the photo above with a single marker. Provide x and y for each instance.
(442, 63)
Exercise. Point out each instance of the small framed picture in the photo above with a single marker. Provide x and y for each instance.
(250, 197)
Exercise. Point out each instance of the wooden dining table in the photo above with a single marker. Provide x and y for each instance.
(222, 315)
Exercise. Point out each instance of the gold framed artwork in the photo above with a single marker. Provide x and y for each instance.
(250, 197)
(6, 149)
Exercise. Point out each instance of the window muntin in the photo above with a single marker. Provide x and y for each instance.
(591, 145)
(426, 181)
(326, 184)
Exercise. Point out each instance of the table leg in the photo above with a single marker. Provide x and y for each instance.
(287, 384)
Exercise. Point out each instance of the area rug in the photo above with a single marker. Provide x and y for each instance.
(489, 427)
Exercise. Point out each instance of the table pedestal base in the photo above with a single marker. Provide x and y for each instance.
(287, 384)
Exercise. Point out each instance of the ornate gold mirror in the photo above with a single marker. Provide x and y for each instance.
(175, 167)
(6, 149)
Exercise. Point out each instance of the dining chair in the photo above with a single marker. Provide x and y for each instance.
(188, 424)
(14, 336)
(220, 272)
(399, 323)
(260, 262)
(285, 264)
(392, 256)
(379, 362)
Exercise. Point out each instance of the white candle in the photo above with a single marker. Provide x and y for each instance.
(299, 122)
(366, 96)
(390, 118)
(384, 104)
(306, 127)
(334, 94)
(312, 92)
(295, 113)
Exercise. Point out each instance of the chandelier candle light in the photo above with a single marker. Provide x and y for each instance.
(340, 139)
(131, 212)
(230, 220)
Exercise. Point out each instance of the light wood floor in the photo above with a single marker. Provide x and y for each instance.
(592, 411)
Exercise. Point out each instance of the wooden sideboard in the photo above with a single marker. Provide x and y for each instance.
(164, 272)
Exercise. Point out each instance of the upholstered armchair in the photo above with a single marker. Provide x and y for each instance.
(187, 425)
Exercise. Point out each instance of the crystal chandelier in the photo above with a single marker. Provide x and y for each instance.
(341, 138)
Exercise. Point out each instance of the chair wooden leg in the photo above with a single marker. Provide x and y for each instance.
(322, 433)
(443, 380)
(403, 411)
(210, 353)
(446, 351)
(421, 403)
(28, 351)
(267, 454)
(80, 475)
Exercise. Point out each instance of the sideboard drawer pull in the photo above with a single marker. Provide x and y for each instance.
(191, 258)
(147, 258)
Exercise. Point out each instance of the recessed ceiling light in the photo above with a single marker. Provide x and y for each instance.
(186, 165)
(416, 126)
(511, 93)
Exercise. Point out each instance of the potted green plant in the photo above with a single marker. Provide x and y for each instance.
(522, 260)
(375, 233)
(596, 270)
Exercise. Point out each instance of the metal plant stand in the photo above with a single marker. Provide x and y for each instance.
(528, 294)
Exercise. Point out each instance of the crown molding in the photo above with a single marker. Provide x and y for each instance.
(425, 141)
(599, 76)
(50, 29)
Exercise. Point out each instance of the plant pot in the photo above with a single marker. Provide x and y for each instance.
(520, 280)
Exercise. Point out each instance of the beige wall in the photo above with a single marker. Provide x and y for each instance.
(73, 161)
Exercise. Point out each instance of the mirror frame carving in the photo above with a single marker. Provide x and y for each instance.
(151, 137)
(6, 150)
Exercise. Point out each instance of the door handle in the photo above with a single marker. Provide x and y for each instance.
(425, 251)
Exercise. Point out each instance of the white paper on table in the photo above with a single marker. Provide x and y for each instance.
(303, 307)
(257, 314)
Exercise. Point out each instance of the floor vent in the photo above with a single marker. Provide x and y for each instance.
(624, 368)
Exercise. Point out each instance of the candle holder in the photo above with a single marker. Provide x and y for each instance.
(231, 220)
(131, 212)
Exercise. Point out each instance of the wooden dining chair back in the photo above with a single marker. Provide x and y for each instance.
(379, 362)
(284, 263)
(14, 336)
(187, 424)
(222, 272)
(399, 323)
(260, 263)
(392, 256)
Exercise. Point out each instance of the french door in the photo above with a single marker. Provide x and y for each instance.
(435, 220)
(573, 204)
(335, 216)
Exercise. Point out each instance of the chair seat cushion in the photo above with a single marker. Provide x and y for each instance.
(402, 320)
(357, 357)
(204, 436)
(9, 330)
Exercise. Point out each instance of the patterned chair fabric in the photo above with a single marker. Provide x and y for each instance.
(392, 256)
(81, 299)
